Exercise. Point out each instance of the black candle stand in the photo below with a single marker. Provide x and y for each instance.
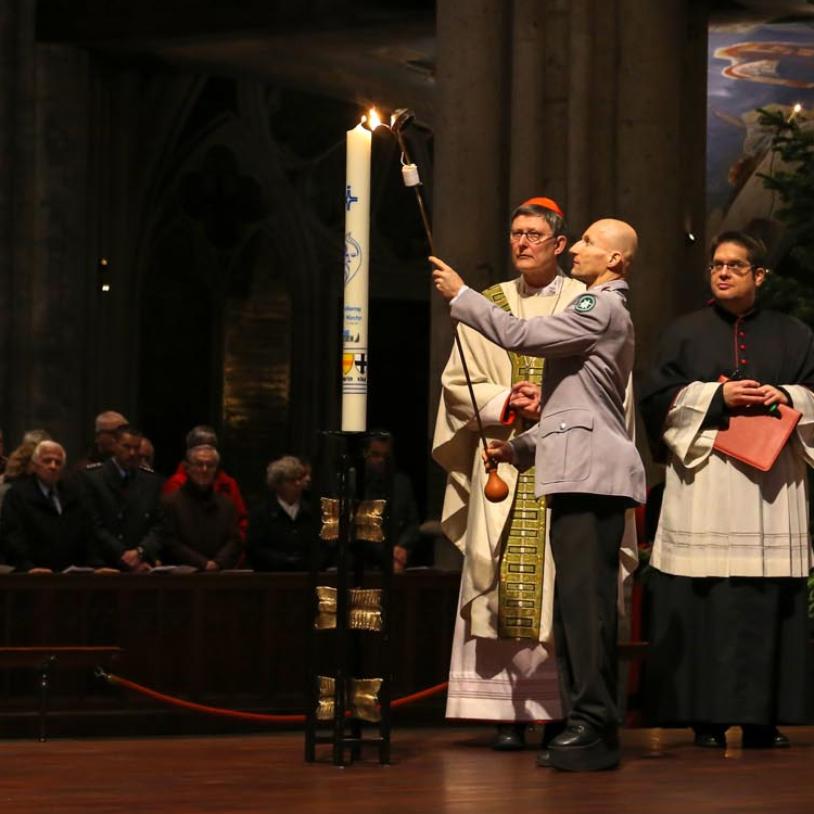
(349, 660)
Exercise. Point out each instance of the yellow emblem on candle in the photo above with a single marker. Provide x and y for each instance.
(347, 363)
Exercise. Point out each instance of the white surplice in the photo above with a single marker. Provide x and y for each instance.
(723, 518)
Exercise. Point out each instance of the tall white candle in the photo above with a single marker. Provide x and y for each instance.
(357, 254)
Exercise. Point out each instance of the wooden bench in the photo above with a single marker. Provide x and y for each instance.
(44, 659)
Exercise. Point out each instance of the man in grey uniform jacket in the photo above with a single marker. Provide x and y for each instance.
(585, 460)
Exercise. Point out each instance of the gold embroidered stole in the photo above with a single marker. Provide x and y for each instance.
(520, 591)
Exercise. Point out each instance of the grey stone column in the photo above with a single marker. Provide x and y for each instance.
(538, 136)
(660, 158)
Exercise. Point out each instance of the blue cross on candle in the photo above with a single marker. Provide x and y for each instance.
(350, 199)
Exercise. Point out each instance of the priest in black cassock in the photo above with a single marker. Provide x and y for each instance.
(729, 626)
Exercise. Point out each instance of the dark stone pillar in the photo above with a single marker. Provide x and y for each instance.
(470, 169)
(17, 207)
(62, 278)
(660, 158)
(538, 137)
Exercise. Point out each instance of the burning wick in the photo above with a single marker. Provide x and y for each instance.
(372, 120)
(794, 111)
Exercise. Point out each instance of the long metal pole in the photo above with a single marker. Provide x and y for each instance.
(428, 231)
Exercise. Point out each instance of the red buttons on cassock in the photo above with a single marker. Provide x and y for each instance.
(743, 361)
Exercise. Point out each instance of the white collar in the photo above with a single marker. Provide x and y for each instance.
(546, 291)
(291, 509)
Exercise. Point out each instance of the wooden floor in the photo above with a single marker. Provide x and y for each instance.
(443, 769)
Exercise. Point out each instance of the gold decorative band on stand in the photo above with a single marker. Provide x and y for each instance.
(326, 607)
(367, 519)
(363, 698)
(329, 511)
(365, 611)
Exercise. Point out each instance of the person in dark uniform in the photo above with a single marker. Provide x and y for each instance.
(586, 462)
(104, 442)
(125, 497)
(283, 527)
(46, 525)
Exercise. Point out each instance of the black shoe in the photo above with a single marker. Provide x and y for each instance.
(551, 731)
(710, 736)
(758, 736)
(510, 738)
(581, 748)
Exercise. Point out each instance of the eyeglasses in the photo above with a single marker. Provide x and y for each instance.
(736, 267)
(202, 465)
(531, 236)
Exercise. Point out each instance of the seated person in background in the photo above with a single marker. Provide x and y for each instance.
(146, 453)
(105, 427)
(45, 524)
(283, 527)
(19, 462)
(380, 462)
(200, 525)
(125, 499)
(225, 485)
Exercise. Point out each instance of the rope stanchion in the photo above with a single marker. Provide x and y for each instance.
(257, 717)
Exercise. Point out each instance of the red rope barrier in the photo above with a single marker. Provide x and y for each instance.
(174, 701)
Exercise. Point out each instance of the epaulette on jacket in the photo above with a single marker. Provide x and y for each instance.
(93, 465)
(146, 468)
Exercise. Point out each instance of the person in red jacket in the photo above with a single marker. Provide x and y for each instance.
(224, 484)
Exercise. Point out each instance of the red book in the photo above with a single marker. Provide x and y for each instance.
(757, 437)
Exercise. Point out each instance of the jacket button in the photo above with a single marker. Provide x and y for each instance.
(562, 425)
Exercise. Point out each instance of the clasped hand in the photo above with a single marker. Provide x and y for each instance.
(525, 399)
(747, 392)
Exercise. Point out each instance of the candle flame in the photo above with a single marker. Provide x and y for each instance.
(798, 107)
(373, 120)
(794, 111)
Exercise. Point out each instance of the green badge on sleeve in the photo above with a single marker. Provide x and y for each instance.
(585, 303)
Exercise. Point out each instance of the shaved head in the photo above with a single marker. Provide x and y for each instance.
(618, 235)
(604, 252)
